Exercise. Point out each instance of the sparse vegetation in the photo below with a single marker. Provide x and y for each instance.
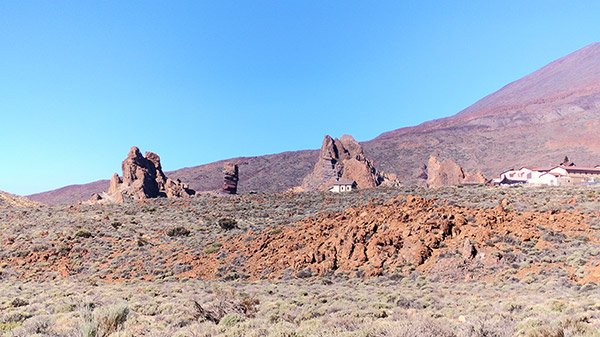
(178, 231)
(131, 279)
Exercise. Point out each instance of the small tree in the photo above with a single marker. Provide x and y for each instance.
(566, 160)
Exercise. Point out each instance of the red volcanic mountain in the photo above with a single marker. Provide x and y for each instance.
(537, 120)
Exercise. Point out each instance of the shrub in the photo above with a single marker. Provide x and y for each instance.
(178, 231)
(19, 302)
(110, 319)
(9, 326)
(212, 248)
(231, 320)
(231, 308)
(227, 223)
(104, 321)
(83, 233)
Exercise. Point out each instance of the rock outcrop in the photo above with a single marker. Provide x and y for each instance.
(143, 178)
(343, 159)
(449, 173)
(230, 178)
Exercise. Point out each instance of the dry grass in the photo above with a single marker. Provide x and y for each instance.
(317, 307)
(528, 296)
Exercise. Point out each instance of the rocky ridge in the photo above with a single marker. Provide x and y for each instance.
(143, 178)
(344, 159)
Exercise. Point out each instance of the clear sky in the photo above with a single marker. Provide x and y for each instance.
(199, 81)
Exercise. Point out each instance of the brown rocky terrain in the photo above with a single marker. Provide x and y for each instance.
(398, 236)
(546, 115)
(451, 261)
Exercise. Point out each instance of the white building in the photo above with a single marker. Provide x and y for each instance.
(343, 186)
(561, 175)
(521, 176)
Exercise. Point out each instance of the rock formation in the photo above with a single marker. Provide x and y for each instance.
(230, 178)
(449, 173)
(343, 159)
(143, 178)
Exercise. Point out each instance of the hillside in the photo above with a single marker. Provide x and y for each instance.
(8, 200)
(536, 120)
(370, 232)
(455, 262)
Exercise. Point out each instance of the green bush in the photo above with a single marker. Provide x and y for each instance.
(178, 231)
(83, 233)
(227, 223)
(212, 248)
(231, 320)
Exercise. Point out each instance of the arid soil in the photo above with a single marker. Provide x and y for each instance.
(394, 236)
(462, 261)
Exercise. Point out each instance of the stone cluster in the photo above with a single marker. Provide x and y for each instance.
(143, 178)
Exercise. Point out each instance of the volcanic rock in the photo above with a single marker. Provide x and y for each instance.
(230, 178)
(534, 120)
(143, 178)
(468, 250)
(343, 159)
(449, 173)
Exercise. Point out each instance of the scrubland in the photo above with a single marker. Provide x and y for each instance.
(67, 271)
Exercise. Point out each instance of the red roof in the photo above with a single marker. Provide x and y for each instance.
(576, 169)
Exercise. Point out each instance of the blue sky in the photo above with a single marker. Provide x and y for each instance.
(199, 81)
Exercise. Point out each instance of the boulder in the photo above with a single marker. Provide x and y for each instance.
(468, 250)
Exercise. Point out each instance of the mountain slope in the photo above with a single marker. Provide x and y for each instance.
(8, 200)
(536, 120)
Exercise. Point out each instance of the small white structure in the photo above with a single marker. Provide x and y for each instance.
(343, 186)
(517, 176)
(523, 175)
(545, 179)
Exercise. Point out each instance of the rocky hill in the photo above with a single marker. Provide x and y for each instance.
(8, 200)
(536, 120)
(343, 159)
